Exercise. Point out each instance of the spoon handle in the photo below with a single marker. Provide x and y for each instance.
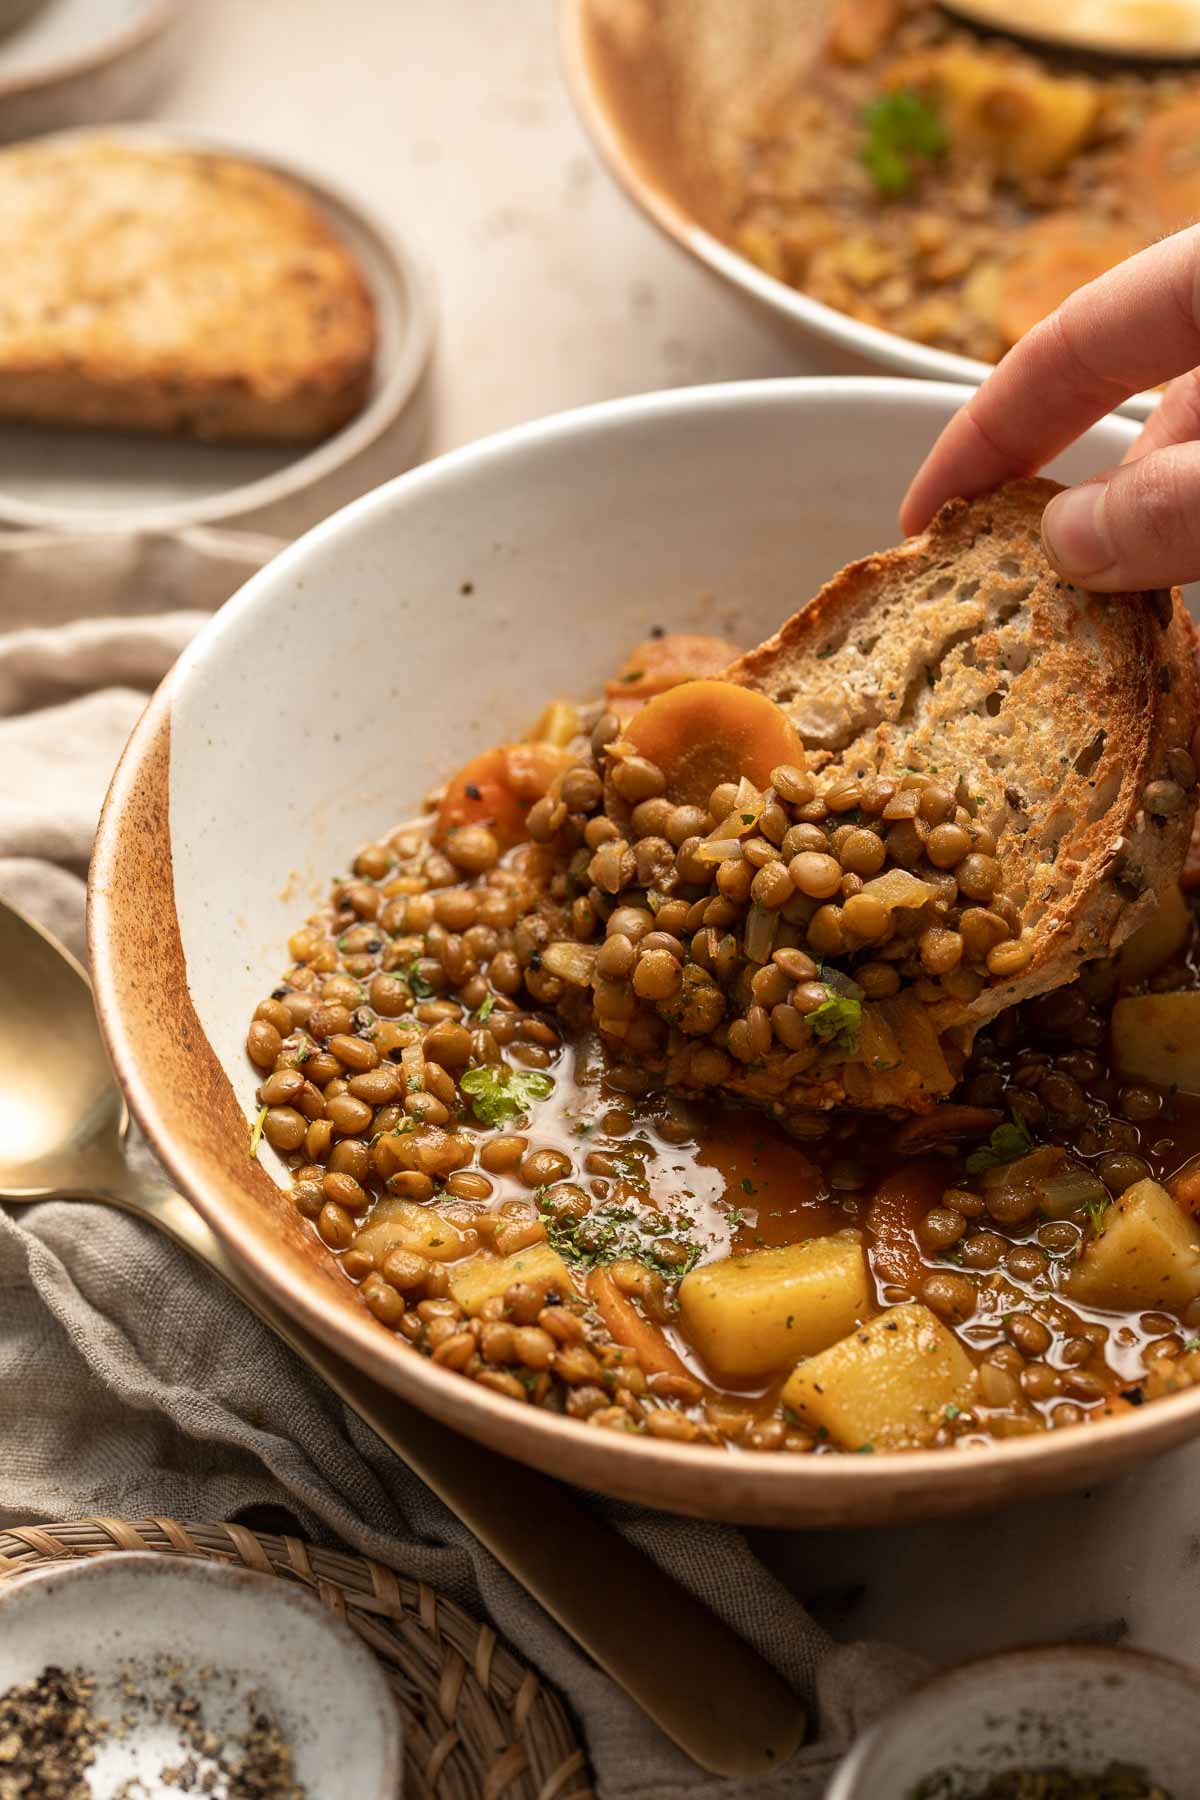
(714, 1696)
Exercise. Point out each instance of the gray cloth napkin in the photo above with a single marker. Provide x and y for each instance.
(130, 1382)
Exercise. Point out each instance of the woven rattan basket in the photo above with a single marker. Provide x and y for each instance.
(478, 1725)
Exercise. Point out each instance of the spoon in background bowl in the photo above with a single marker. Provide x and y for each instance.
(1142, 30)
(62, 1131)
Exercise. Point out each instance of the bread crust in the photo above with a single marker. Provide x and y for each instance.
(962, 653)
(170, 291)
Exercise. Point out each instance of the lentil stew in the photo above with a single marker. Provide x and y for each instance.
(638, 1096)
(952, 186)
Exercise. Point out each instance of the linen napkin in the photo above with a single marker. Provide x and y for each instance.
(132, 1384)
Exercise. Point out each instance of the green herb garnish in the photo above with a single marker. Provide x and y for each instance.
(953, 1412)
(498, 1095)
(1097, 1211)
(837, 1022)
(902, 131)
(256, 1134)
(417, 982)
(486, 1010)
(1192, 1343)
(1006, 1143)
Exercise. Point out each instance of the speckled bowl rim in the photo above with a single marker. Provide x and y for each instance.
(398, 382)
(711, 1483)
(966, 1677)
(651, 192)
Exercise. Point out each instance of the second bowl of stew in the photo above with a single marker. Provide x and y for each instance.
(357, 873)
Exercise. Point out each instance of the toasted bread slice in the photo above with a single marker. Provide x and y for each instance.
(1067, 717)
(161, 290)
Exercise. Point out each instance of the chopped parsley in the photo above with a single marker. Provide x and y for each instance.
(1097, 1211)
(903, 130)
(837, 1022)
(953, 1412)
(747, 1185)
(1006, 1143)
(1191, 1343)
(612, 1233)
(417, 982)
(256, 1134)
(634, 675)
(499, 1094)
(486, 1010)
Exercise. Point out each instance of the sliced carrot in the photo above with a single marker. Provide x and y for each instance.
(531, 769)
(1184, 1188)
(629, 1328)
(1162, 167)
(1054, 256)
(707, 732)
(481, 794)
(661, 663)
(900, 1203)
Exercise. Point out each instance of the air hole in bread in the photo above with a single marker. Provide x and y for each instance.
(994, 702)
(1103, 797)
(1055, 829)
(1007, 565)
(967, 590)
(1089, 756)
(941, 586)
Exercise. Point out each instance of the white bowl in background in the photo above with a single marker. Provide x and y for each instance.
(648, 100)
(1078, 1707)
(366, 662)
(81, 62)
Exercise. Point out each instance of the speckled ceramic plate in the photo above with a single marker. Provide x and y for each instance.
(115, 481)
(149, 1628)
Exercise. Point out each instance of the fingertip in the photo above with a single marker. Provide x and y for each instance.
(1076, 537)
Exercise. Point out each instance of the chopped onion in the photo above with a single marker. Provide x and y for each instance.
(571, 962)
(898, 888)
(761, 926)
(742, 816)
(718, 850)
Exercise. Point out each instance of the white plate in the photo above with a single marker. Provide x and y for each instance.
(166, 1618)
(93, 480)
(78, 62)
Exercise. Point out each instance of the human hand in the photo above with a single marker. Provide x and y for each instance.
(1135, 526)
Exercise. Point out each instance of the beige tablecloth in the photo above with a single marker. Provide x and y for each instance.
(130, 1382)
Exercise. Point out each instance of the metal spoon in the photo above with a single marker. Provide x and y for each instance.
(62, 1130)
(1145, 30)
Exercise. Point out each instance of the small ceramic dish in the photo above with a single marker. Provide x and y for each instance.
(458, 598)
(658, 83)
(115, 481)
(144, 1627)
(1067, 1706)
(81, 62)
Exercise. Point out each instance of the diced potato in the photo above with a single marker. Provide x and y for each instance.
(1158, 940)
(752, 1314)
(1146, 1254)
(1020, 121)
(402, 1225)
(488, 1277)
(886, 1386)
(1156, 1038)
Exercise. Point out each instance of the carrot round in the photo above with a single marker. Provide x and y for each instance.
(1054, 256)
(1162, 168)
(900, 1203)
(661, 663)
(481, 794)
(630, 1329)
(706, 732)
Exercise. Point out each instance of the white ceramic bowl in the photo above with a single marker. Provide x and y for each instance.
(80, 62)
(126, 481)
(364, 663)
(1067, 1706)
(643, 77)
(230, 1634)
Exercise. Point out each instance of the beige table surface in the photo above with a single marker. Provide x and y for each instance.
(451, 118)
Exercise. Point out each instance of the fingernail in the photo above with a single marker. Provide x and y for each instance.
(1074, 530)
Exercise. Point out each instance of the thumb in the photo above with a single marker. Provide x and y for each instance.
(1137, 526)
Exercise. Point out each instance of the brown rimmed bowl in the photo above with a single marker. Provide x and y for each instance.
(427, 620)
(664, 88)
